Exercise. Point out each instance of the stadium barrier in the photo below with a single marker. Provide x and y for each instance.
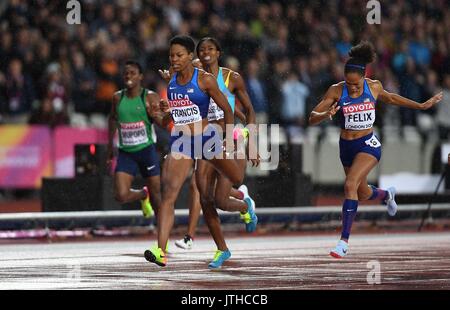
(284, 215)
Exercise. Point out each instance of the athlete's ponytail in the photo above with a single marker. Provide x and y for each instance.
(360, 55)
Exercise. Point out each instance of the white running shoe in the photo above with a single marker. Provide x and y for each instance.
(340, 250)
(186, 243)
(390, 201)
(243, 188)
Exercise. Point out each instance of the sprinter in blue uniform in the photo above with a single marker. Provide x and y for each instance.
(189, 93)
(215, 190)
(354, 101)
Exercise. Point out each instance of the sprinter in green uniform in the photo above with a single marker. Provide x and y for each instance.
(132, 115)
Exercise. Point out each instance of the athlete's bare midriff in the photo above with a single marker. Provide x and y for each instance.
(354, 134)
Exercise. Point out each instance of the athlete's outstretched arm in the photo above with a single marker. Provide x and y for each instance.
(326, 108)
(244, 98)
(398, 100)
(165, 75)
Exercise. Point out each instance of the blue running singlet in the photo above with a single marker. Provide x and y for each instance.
(357, 113)
(188, 103)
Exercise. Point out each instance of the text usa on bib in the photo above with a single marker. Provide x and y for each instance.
(183, 110)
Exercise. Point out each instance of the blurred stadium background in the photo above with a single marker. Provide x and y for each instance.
(56, 82)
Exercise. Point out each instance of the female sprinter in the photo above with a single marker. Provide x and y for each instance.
(189, 93)
(215, 189)
(353, 100)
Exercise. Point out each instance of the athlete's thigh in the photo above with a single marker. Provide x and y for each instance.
(226, 167)
(122, 182)
(361, 167)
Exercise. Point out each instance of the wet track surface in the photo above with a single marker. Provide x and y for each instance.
(404, 261)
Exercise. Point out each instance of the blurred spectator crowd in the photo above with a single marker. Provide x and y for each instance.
(289, 53)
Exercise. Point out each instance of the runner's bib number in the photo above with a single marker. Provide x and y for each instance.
(373, 142)
(184, 111)
(214, 111)
(359, 116)
(133, 133)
